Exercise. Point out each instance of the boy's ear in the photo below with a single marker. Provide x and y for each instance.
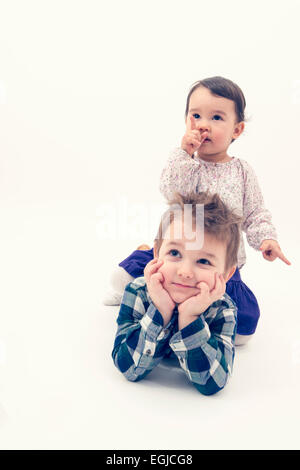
(155, 250)
(230, 273)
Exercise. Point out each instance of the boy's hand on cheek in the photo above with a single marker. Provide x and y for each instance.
(159, 296)
(191, 308)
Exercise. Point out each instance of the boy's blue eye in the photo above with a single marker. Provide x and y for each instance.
(217, 116)
(196, 115)
(204, 261)
(174, 252)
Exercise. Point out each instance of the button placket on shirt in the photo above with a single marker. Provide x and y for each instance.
(214, 174)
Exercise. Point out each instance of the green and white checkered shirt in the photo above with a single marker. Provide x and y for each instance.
(204, 348)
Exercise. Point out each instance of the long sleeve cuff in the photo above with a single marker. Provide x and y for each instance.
(191, 336)
(153, 338)
(152, 324)
(206, 362)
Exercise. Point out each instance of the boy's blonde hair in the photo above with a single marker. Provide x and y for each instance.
(219, 221)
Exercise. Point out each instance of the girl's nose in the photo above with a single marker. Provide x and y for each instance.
(202, 125)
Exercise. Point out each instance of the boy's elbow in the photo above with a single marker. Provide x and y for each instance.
(127, 368)
(134, 375)
(210, 387)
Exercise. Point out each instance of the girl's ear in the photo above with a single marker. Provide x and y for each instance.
(155, 251)
(239, 128)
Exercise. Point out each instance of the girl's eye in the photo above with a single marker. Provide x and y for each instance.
(217, 117)
(204, 261)
(174, 252)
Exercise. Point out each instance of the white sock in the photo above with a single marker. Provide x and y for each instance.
(240, 340)
(112, 298)
(118, 280)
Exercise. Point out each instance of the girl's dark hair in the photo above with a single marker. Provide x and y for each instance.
(224, 87)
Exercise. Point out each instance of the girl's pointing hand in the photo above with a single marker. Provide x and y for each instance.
(271, 250)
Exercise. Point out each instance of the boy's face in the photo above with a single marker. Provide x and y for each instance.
(217, 116)
(183, 268)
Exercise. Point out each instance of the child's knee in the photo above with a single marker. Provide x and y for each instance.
(120, 278)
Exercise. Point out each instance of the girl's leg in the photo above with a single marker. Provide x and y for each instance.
(240, 340)
(129, 269)
(247, 308)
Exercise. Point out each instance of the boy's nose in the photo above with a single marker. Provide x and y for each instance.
(185, 272)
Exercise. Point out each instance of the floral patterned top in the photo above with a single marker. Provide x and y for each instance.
(236, 184)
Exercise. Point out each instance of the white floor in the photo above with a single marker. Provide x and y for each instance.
(83, 123)
(58, 385)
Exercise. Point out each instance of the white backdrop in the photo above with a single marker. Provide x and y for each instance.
(92, 99)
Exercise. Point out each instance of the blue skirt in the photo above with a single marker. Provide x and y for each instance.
(247, 307)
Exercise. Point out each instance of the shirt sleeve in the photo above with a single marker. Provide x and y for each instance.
(257, 219)
(206, 350)
(180, 174)
(141, 339)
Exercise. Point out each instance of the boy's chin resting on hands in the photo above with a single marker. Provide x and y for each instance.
(190, 309)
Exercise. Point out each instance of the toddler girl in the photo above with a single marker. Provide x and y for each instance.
(214, 117)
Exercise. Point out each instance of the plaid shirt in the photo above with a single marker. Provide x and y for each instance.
(204, 348)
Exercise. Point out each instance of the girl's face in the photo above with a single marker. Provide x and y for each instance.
(184, 268)
(215, 115)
